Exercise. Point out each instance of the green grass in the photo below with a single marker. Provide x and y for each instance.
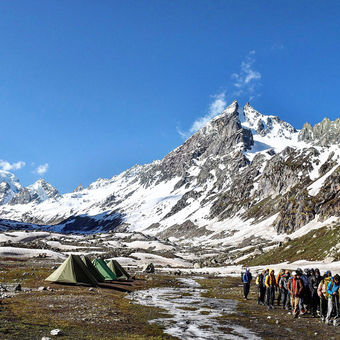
(314, 246)
(80, 314)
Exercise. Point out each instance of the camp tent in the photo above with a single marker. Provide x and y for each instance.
(104, 270)
(99, 277)
(73, 270)
(117, 269)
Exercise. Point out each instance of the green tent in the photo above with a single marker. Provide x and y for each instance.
(73, 270)
(99, 277)
(104, 270)
(117, 269)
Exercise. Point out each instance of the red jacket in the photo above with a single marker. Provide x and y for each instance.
(295, 287)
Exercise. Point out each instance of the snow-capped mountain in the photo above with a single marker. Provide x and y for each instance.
(9, 186)
(37, 192)
(243, 175)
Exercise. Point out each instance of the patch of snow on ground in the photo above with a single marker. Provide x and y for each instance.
(27, 252)
(160, 260)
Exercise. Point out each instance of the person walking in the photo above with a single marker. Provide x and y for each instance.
(314, 281)
(322, 293)
(270, 283)
(278, 278)
(295, 287)
(283, 286)
(306, 293)
(246, 280)
(333, 300)
(261, 288)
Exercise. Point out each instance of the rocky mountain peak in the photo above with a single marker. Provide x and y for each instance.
(9, 186)
(325, 133)
(37, 192)
(78, 188)
(221, 136)
(266, 125)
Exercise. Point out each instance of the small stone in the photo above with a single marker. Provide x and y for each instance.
(277, 322)
(91, 289)
(45, 338)
(40, 289)
(17, 288)
(56, 332)
(269, 317)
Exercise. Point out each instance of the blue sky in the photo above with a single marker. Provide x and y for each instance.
(90, 88)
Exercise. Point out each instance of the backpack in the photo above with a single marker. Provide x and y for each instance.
(264, 279)
(245, 277)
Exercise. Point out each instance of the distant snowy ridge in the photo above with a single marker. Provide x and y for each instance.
(244, 175)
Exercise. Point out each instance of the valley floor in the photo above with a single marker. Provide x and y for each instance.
(82, 313)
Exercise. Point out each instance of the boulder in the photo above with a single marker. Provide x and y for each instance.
(149, 268)
(56, 332)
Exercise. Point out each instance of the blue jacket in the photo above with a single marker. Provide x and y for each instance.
(246, 277)
(332, 288)
(305, 281)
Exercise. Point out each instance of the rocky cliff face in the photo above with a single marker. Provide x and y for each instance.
(325, 133)
(243, 176)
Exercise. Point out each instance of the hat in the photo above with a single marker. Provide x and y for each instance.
(294, 273)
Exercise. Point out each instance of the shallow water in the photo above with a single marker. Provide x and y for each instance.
(192, 316)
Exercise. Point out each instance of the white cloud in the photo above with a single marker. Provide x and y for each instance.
(216, 107)
(4, 165)
(278, 46)
(41, 169)
(246, 81)
(244, 87)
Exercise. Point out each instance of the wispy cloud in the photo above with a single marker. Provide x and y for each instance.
(216, 106)
(244, 86)
(246, 81)
(5, 165)
(278, 46)
(41, 169)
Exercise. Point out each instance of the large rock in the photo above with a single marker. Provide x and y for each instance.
(149, 268)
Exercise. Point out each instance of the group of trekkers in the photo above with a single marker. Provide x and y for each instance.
(302, 291)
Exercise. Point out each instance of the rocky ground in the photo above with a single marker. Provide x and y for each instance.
(31, 312)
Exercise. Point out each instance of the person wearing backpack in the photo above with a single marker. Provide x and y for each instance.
(270, 283)
(322, 292)
(261, 288)
(283, 286)
(246, 279)
(278, 278)
(333, 299)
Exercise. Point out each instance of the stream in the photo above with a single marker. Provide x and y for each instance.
(190, 315)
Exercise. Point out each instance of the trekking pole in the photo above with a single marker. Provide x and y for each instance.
(336, 302)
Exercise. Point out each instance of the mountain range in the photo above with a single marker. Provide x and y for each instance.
(243, 176)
